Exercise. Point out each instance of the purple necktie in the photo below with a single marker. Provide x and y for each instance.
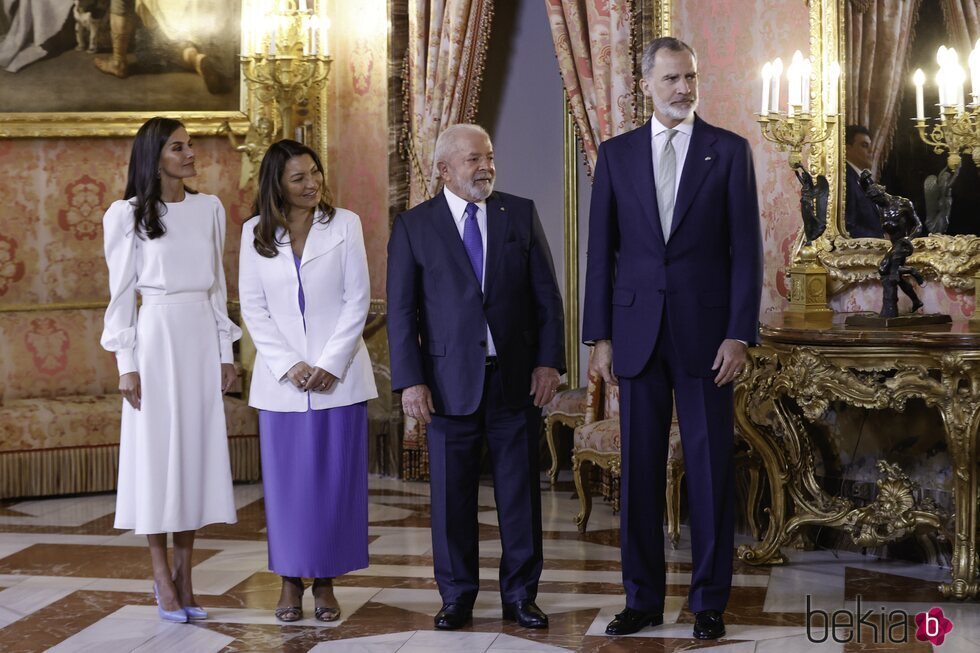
(473, 241)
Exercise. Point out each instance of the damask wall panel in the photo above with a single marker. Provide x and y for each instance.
(54, 194)
(358, 123)
(729, 60)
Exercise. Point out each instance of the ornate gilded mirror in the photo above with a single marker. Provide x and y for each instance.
(879, 46)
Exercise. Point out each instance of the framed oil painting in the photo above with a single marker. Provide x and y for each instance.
(102, 67)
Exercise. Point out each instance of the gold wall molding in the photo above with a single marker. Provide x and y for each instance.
(53, 306)
(73, 125)
(570, 191)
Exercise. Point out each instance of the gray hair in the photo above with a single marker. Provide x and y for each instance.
(448, 142)
(664, 42)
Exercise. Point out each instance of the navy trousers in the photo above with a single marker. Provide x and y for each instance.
(705, 414)
(455, 447)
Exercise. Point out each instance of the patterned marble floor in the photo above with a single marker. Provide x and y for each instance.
(70, 582)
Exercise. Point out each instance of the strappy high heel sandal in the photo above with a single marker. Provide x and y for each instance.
(325, 613)
(291, 613)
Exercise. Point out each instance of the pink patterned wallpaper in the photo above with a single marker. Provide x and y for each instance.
(54, 194)
(358, 123)
(729, 60)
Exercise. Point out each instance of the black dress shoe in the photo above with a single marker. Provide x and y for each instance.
(453, 616)
(630, 621)
(708, 624)
(526, 613)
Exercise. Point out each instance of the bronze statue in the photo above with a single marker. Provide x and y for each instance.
(938, 191)
(813, 202)
(900, 224)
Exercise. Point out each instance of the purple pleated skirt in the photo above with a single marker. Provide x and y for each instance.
(314, 472)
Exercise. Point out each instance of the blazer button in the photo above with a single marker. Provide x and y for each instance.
(483, 343)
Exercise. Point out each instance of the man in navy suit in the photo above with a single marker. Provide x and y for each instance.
(672, 297)
(475, 329)
(861, 217)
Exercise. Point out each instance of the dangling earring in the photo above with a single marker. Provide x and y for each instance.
(158, 173)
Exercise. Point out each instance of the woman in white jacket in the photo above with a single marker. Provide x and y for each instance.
(305, 294)
(164, 242)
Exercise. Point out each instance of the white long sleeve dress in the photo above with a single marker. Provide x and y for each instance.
(174, 469)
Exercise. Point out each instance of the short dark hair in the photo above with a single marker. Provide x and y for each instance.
(664, 42)
(270, 201)
(851, 132)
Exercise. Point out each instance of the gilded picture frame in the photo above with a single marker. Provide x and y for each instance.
(179, 65)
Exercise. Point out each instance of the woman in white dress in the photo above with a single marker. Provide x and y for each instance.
(164, 242)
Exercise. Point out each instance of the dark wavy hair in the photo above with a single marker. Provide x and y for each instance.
(270, 202)
(143, 180)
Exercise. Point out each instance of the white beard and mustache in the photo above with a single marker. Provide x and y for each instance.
(674, 112)
(480, 189)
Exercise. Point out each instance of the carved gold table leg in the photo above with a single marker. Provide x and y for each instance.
(961, 415)
(747, 390)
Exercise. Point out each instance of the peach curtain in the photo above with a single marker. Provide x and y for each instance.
(447, 47)
(880, 33)
(962, 23)
(593, 40)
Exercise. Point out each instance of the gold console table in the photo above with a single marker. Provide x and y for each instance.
(800, 368)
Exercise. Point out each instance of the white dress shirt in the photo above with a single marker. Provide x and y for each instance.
(457, 206)
(681, 141)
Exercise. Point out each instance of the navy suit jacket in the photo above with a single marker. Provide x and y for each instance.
(437, 314)
(861, 216)
(707, 277)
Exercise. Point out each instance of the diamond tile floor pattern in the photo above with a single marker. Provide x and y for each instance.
(69, 582)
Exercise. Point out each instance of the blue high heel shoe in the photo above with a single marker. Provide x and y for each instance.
(175, 616)
(195, 613)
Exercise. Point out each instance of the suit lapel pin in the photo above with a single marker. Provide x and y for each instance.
(707, 158)
(502, 208)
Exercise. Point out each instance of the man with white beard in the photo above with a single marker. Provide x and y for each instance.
(476, 336)
(672, 293)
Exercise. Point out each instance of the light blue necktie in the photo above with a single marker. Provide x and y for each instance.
(666, 180)
(473, 241)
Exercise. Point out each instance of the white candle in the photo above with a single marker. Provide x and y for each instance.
(797, 81)
(766, 81)
(322, 37)
(941, 85)
(306, 36)
(777, 71)
(302, 7)
(919, 78)
(952, 77)
(960, 83)
(793, 84)
(314, 34)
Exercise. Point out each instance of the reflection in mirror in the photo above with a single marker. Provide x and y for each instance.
(885, 42)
